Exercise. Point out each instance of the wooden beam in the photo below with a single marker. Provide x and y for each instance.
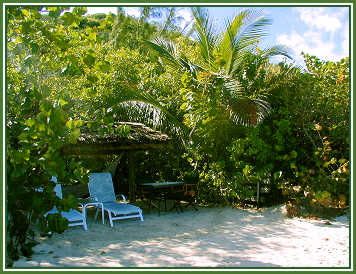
(103, 149)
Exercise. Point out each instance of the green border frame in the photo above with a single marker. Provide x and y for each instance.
(262, 3)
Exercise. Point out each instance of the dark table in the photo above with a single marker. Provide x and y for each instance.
(161, 185)
(158, 191)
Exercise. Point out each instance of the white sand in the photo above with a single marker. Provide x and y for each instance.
(210, 237)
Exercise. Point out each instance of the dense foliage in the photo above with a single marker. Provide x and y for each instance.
(235, 118)
(303, 147)
(39, 120)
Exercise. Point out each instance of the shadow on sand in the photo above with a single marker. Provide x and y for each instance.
(208, 238)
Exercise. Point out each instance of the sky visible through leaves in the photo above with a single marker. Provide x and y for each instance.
(319, 31)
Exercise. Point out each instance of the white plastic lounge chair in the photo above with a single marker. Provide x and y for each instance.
(73, 216)
(101, 189)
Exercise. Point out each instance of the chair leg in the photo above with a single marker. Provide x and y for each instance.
(84, 214)
(192, 203)
(96, 213)
(85, 225)
(141, 217)
(180, 207)
(102, 214)
(110, 218)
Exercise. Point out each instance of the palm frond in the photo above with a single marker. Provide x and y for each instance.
(168, 51)
(135, 105)
(242, 109)
(254, 28)
(176, 21)
(151, 114)
(231, 87)
(226, 44)
(205, 35)
(248, 112)
(165, 49)
(168, 21)
(250, 34)
(276, 50)
(241, 37)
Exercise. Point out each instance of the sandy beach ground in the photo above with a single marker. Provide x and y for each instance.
(208, 238)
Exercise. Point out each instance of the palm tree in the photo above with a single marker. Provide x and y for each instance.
(222, 54)
(135, 104)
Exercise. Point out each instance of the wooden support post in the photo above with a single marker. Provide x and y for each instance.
(258, 194)
(116, 177)
(132, 185)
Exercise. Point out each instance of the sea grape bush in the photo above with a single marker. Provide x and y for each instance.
(37, 121)
(302, 148)
(62, 75)
(41, 118)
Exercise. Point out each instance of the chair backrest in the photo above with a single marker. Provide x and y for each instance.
(57, 188)
(101, 187)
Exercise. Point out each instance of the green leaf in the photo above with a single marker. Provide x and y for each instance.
(277, 175)
(293, 154)
(92, 36)
(45, 90)
(70, 202)
(62, 102)
(58, 118)
(18, 172)
(183, 106)
(79, 10)
(41, 127)
(45, 106)
(78, 123)
(56, 10)
(333, 160)
(89, 60)
(30, 122)
(25, 12)
(342, 161)
(92, 78)
(247, 170)
(68, 18)
(70, 124)
(103, 66)
(74, 135)
(34, 48)
(73, 69)
(57, 223)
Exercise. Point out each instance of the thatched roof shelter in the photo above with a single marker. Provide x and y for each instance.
(92, 143)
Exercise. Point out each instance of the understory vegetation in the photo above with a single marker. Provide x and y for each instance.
(235, 118)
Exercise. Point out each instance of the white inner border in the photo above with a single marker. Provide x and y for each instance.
(179, 4)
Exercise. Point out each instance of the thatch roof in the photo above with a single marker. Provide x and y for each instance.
(140, 137)
(139, 134)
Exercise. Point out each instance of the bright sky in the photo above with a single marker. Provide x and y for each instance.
(319, 31)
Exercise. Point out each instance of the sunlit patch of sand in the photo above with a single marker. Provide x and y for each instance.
(210, 237)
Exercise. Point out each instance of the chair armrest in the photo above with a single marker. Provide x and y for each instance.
(123, 197)
(87, 201)
(94, 204)
(91, 201)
